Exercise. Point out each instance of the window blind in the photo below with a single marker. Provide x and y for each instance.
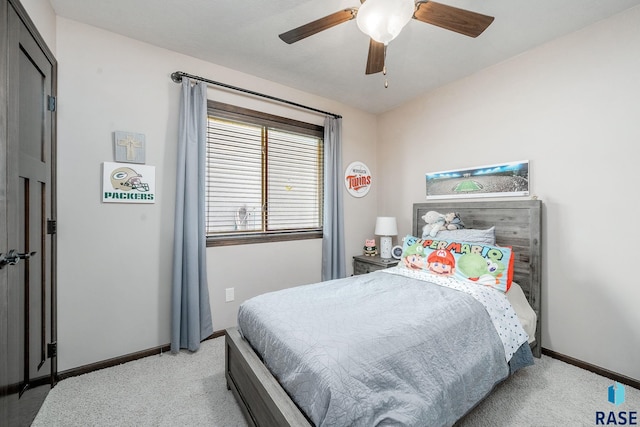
(262, 177)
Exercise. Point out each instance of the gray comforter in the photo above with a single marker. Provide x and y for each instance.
(378, 349)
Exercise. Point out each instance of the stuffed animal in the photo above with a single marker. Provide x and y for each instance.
(370, 248)
(453, 221)
(434, 222)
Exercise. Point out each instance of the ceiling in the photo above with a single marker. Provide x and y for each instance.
(243, 35)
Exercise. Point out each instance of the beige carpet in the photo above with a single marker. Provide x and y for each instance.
(190, 390)
(186, 389)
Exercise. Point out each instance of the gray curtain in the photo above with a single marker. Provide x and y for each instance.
(190, 307)
(333, 255)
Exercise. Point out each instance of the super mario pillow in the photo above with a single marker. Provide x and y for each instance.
(482, 264)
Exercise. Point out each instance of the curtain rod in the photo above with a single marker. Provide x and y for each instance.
(178, 75)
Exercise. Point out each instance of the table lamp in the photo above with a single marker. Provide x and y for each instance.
(386, 227)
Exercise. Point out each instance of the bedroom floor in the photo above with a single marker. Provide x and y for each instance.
(190, 389)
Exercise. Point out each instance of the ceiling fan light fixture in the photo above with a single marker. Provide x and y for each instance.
(382, 20)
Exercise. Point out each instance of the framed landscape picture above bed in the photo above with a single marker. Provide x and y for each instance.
(502, 179)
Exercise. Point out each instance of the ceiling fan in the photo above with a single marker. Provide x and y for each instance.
(382, 21)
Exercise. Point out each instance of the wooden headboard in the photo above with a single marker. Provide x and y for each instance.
(517, 224)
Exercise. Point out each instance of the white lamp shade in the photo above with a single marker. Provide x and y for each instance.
(382, 20)
(386, 226)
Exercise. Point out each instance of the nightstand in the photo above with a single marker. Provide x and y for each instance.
(363, 264)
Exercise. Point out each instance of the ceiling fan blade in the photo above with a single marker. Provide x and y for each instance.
(375, 60)
(318, 25)
(451, 18)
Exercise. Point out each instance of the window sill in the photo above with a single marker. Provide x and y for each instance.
(247, 239)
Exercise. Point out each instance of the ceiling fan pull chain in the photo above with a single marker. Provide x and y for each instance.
(384, 73)
(384, 67)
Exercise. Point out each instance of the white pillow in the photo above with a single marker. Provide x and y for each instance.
(470, 235)
(525, 313)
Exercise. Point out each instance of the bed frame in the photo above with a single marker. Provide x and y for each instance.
(262, 399)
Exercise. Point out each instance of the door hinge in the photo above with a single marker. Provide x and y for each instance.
(51, 103)
(52, 350)
(52, 226)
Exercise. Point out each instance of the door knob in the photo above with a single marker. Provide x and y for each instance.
(13, 256)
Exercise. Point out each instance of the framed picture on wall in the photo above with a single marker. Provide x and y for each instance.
(121, 183)
(129, 147)
(502, 179)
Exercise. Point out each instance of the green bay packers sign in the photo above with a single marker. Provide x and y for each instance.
(128, 183)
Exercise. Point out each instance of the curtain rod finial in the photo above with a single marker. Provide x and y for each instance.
(176, 77)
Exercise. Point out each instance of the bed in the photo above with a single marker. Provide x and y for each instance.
(265, 402)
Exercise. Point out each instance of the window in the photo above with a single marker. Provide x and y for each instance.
(264, 177)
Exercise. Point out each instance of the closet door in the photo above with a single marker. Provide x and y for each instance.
(4, 278)
(27, 244)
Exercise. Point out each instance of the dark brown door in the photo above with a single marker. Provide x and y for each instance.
(27, 245)
(4, 308)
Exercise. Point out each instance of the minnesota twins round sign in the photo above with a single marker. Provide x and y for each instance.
(357, 179)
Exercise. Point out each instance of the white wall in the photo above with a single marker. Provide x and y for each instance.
(114, 260)
(571, 107)
(44, 18)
